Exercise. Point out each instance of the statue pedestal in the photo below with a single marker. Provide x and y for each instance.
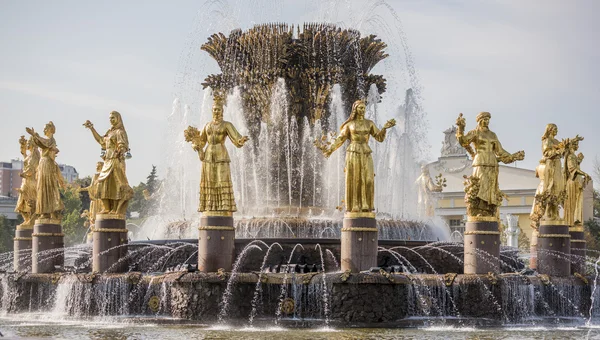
(22, 248)
(533, 244)
(482, 246)
(359, 242)
(216, 243)
(578, 250)
(109, 240)
(554, 248)
(47, 235)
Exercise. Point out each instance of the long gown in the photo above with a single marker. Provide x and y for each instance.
(574, 187)
(49, 178)
(216, 187)
(112, 182)
(360, 174)
(28, 188)
(554, 180)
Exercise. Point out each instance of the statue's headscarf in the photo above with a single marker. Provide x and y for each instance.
(352, 113)
(549, 128)
(120, 126)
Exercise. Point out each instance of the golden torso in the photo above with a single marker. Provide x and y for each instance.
(486, 147)
(360, 132)
(110, 144)
(216, 133)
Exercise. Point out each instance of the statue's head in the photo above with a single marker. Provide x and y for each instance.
(30, 143)
(424, 169)
(217, 110)
(49, 129)
(550, 131)
(358, 109)
(483, 119)
(115, 119)
(99, 166)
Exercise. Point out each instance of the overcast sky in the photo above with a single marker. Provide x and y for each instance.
(527, 62)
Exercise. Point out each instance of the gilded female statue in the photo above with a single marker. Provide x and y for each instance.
(113, 188)
(216, 188)
(576, 182)
(360, 174)
(484, 195)
(48, 204)
(426, 187)
(553, 193)
(537, 208)
(27, 192)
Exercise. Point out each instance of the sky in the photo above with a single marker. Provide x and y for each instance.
(529, 63)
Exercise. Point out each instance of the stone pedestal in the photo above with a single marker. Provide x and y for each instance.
(482, 246)
(216, 243)
(533, 244)
(109, 244)
(359, 242)
(22, 248)
(554, 249)
(578, 250)
(47, 235)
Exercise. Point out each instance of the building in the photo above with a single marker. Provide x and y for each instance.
(10, 180)
(68, 172)
(517, 183)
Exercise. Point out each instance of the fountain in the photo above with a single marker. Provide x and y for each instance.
(289, 256)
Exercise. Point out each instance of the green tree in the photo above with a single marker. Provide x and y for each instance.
(73, 224)
(137, 203)
(152, 181)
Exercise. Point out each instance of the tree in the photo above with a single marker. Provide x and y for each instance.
(72, 222)
(137, 203)
(152, 182)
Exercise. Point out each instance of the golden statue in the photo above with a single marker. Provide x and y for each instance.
(426, 187)
(554, 185)
(48, 204)
(360, 175)
(483, 195)
(216, 188)
(113, 188)
(27, 192)
(537, 209)
(576, 182)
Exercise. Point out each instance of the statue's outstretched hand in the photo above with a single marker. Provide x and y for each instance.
(88, 124)
(460, 121)
(519, 156)
(390, 123)
(244, 140)
(30, 131)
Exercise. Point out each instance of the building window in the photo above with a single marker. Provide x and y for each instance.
(455, 223)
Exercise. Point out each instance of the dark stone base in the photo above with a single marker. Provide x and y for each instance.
(554, 250)
(216, 243)
(363, 299)
(46, 238)
(359, 244)
(482, 247)
(109, 237)
(22, 248)
(578, 252)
